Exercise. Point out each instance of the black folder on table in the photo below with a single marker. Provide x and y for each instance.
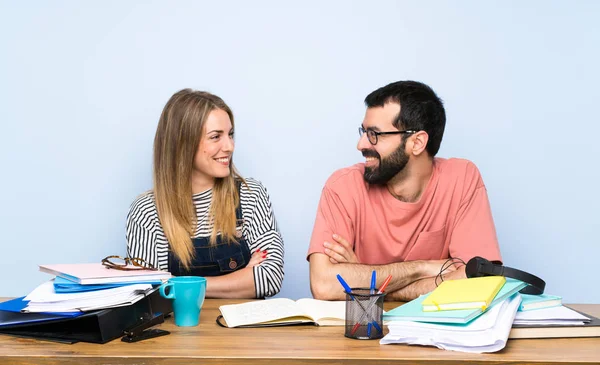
(98, 326)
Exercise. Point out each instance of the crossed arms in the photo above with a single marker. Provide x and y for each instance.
(409, 279)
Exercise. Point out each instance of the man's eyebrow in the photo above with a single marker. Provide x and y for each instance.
(376, 129)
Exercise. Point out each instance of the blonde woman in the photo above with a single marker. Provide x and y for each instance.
(201, 217)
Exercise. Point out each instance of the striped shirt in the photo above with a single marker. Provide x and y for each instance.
(146, 238)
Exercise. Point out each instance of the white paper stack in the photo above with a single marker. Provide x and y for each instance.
(487, 333)
(553, 316)
(45, 299)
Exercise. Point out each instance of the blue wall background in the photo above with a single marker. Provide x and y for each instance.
(82, 85)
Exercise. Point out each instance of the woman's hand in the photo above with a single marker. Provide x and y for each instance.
(257, 258)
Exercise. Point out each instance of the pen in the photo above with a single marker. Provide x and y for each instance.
(373, 281)
(345, 285)
(373, 284)
(385, 284)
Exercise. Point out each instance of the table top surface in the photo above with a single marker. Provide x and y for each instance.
(208, 343)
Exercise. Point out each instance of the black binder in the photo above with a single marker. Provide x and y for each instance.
(97, 327)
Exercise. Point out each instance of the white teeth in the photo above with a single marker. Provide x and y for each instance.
(371, 158)
(223, 160)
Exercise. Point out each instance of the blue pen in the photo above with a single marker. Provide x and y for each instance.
(373, 285)
(373, 281)
(348, 290)
(345, 285)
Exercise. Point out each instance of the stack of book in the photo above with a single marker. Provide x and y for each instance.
(544, 316)
(85, 302)
(486, 333)
(88, 287)
(478, 315)
(469, 315)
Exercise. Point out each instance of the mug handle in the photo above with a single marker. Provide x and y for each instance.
(203, 294)
(171, 294)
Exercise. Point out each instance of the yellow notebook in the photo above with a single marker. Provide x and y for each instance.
(464, 294)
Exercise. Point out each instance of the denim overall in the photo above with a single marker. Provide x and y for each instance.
(213, 260)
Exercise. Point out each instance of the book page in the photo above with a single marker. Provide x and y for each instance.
(319, 310)
(261, 311)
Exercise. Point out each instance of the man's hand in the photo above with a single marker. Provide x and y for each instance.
(340, 251)
(435, 266)
(453, 273)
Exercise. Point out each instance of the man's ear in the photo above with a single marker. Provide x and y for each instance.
(419, 143)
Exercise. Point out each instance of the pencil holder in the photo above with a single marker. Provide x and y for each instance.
(364, 314)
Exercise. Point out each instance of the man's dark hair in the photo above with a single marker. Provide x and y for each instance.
(420, 109)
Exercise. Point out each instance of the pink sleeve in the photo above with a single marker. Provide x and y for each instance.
(474, 233)
(332, 217)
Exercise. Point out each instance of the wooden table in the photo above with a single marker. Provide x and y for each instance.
(210, 344)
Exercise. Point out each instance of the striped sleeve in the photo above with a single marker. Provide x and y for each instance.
(141, 230)
(261, 232)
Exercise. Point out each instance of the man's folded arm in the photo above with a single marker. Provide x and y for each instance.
(325, 286)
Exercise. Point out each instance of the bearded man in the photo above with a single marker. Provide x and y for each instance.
(403, 212)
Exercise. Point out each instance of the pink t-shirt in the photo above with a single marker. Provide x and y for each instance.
(451, 219)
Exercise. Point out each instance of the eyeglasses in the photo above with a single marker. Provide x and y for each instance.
(120, 263)
(373, 135)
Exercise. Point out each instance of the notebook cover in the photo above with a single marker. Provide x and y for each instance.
(464, 293)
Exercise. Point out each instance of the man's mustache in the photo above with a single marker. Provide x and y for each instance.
(370, 153)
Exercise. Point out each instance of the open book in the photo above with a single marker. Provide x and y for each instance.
(283, 311)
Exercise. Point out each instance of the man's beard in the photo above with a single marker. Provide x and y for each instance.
(388, 167)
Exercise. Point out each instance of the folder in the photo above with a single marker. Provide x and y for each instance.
(62, 285)
(18, 304)
(97, 327)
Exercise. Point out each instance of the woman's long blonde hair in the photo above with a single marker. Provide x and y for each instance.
(178, 135)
